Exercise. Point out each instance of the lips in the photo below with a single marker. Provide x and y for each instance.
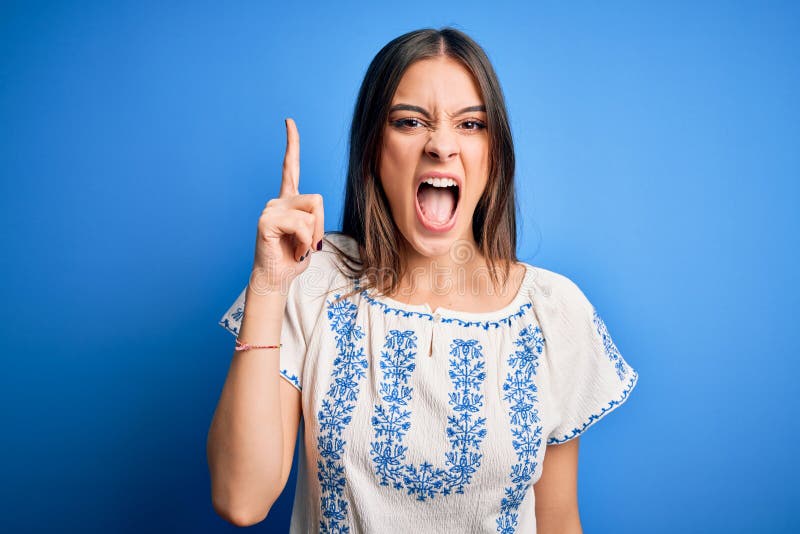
(432, 217)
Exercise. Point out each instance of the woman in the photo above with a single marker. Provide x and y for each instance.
(438, 377)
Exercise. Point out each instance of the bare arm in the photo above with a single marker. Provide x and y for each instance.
(557, 491)
(254, 429)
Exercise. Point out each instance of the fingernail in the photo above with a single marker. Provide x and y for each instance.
(302, 258)
(319, 245)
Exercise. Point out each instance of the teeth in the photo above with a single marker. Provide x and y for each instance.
(440, 182)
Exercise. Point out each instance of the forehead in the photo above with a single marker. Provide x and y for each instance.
(440, 82)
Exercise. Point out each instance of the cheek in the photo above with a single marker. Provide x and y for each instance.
(398, 162)
(476, 163)
(400, 151)
(479, 151)
(392, 171)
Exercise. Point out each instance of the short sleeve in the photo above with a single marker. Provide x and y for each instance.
(590, 377)
(294, 338)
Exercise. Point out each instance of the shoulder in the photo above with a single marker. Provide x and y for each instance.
(562, 305)
(563, 292)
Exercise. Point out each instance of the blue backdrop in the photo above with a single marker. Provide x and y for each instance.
(658, 167)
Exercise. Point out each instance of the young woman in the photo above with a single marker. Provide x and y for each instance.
(442, 384)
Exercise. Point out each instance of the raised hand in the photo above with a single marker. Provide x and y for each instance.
(290, 226)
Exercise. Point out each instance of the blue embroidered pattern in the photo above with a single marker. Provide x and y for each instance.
(520, 388)
(233, 328)
(232, 321)
(595, 417)
(611, 348)
(349, 367)
(391, 420)
(486, 325)
(464, 428)
(622, 371)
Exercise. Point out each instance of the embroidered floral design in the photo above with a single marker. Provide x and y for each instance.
(521, 390)
(292, 378)
(623, 372)
(349, 367)
(485, 325)
(391, 420)
(611, 348)
(597, 416)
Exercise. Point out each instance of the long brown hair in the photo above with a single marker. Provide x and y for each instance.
(366, 216)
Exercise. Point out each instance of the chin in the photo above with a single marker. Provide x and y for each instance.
(433, 245)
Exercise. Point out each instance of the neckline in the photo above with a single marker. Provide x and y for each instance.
(440, 311)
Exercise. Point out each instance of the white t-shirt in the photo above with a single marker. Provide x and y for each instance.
(436, 421)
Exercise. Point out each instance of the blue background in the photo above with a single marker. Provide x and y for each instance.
(658, 167)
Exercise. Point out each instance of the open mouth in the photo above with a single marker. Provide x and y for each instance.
(437, 200)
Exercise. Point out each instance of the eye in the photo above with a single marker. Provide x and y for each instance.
(473, 125)
(409, 123)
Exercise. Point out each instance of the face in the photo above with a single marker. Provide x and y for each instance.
(436, 127)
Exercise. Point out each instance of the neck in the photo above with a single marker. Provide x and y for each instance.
(462, 268)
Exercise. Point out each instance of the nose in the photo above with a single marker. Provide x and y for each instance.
(442, 144)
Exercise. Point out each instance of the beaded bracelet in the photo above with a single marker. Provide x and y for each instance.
(246, 346)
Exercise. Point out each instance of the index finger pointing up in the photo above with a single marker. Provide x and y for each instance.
(290, 183)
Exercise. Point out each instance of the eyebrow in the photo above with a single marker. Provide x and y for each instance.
(423, 111)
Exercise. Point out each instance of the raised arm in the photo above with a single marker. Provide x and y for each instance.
(253, 432)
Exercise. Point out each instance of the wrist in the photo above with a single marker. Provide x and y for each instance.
(264, 304)
(263, 282)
